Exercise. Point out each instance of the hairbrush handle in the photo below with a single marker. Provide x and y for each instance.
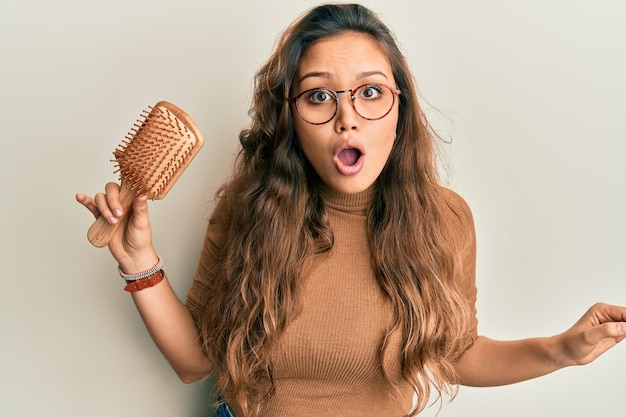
(101, 231)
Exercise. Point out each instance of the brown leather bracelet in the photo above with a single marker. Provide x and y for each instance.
(142, 284)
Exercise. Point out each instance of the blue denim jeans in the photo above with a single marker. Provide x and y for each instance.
(223, 411)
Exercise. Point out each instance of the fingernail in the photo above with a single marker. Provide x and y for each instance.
(621, 328)
(112, 219)
(117, 212)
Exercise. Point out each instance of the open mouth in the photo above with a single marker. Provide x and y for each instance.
(349, 156)
(349, 160)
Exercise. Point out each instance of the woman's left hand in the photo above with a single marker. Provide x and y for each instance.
(598, 330)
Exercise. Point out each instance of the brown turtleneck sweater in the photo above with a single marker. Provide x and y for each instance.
(328, 361)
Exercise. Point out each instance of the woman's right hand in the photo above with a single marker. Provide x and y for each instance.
(131, 245)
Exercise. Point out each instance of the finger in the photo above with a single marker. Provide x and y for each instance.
(88, 202)
(140, 204)
(604, 313)
(138, 235)
(102, 203)
(140, 212)
(113, 198)
(613, 330)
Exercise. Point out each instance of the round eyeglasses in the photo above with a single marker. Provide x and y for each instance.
(320, 105)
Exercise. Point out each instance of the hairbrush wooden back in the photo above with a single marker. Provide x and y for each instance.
(150, 160)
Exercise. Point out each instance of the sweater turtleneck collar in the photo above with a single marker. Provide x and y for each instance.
(349, 203)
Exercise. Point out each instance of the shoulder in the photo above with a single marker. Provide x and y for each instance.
(220, 208)
(456, 204)
(457, 217)
(223, 209)
(217, 228)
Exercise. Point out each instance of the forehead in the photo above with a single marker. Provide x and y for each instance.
(348, 55)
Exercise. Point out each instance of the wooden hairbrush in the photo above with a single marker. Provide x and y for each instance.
(151, 158)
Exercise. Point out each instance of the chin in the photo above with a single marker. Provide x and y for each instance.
(351, 186)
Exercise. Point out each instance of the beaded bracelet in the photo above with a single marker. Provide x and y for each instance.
(141, 275)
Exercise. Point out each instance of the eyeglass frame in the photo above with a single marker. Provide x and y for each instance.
(294, 100)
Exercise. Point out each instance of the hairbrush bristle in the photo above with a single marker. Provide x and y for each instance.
(153, 151)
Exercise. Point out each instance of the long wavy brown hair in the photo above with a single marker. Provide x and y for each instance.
(275, 219)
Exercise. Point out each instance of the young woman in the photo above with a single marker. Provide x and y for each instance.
(337, 274)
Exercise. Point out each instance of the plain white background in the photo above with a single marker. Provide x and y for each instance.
(530, 94)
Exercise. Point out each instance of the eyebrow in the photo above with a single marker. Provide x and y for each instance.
(366, 74)
(325, 74)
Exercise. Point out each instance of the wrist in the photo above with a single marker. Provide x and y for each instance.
(147, 278)
(558, 351)
(138, 263)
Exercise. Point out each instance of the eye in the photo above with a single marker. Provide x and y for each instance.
(370, 92)
(319, 96)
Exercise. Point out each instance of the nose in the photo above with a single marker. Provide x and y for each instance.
(346, 118)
